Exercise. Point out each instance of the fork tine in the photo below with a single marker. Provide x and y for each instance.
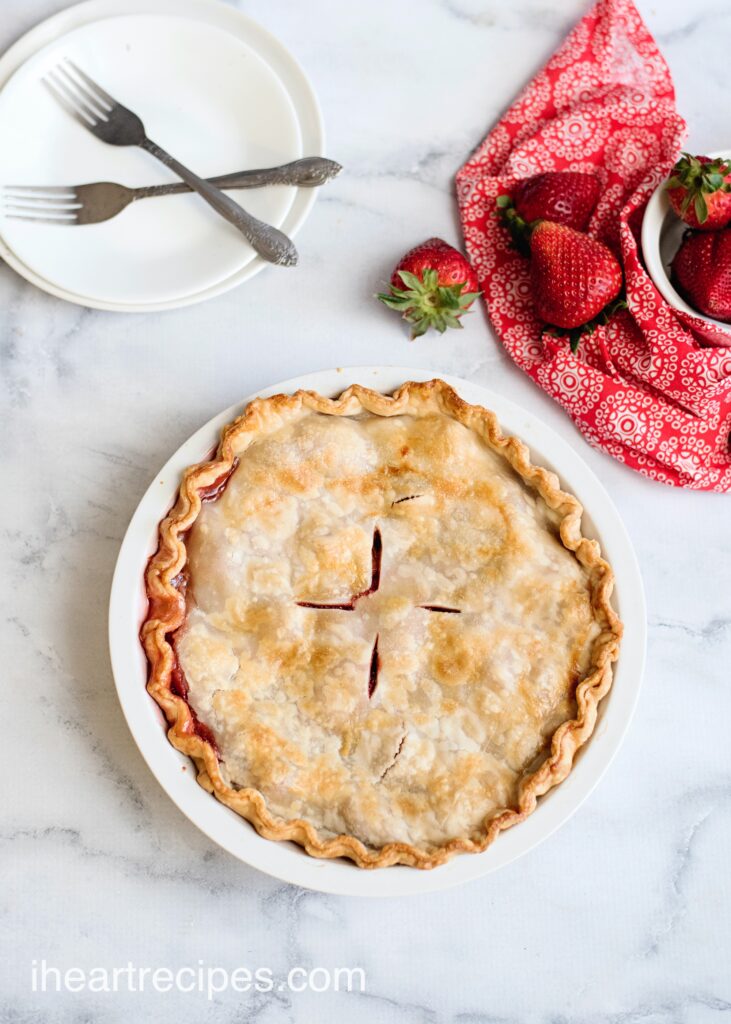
(46, 190)
(75, 95)
(69, 105)
(42, 220)
(97, 105)
(52, 211)
(41, 202)
(95, 88)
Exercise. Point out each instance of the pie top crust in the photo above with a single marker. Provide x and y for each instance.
(376, 626)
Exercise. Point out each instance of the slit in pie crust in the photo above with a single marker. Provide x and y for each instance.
(375, 625)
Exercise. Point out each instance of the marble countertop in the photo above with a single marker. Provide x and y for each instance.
(624, 915)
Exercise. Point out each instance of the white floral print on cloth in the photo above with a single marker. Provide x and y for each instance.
(653, 387)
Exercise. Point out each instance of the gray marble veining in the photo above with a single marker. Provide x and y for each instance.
(622, 917)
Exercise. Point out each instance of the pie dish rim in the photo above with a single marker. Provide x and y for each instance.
(167, 562)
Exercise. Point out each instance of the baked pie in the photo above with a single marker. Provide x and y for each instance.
(375, 626)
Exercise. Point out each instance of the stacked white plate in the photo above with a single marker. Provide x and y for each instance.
(214, 88)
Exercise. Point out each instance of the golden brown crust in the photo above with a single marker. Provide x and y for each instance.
(167, 613)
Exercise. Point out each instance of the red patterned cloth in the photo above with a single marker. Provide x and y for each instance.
(653, 387)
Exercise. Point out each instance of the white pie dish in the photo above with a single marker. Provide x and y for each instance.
(662, 234)
(284, 860)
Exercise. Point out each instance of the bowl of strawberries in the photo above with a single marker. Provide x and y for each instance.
(686, 237)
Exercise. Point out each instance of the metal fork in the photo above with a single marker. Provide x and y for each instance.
(109, 121)
(101, 200)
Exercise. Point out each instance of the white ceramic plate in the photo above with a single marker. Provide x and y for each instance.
(128, 606)
(212, 88)
(662, 233)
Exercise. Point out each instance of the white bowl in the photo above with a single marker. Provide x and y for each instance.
(662, 233)
(128, 607)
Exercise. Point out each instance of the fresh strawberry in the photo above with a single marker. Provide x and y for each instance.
(564, 197)
(699, 190)
(701, 271)
(432, 286)
(574, 277)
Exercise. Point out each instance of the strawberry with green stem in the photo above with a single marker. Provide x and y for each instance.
(563, 197)
(699, 190)
(433, 285)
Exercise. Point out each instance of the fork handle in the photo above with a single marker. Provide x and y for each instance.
(307, 172)
(271, 244)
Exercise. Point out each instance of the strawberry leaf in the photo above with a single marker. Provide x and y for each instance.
(448, 298)
(410, 280)
(400, 302)
(701, 208)
(420, 327)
